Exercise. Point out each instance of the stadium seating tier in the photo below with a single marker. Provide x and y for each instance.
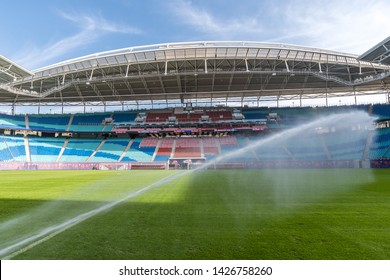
(349, 145)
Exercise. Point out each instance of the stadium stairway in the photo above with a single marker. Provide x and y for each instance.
(106, 127)
(10, 152)
(126, 149)
(367, 148)
(70, 122)
(219, 147)
(326, 150)
(27, 147)
(5, 152)
(253, 150)
(173, 148)
(201, 148)
(386, 152)
(245, 142)
(96, 150)
(155, 151)
(26, 121)
(16, 146)
(288, 152)
(62, 149)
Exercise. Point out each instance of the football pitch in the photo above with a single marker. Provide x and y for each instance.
(207, 214)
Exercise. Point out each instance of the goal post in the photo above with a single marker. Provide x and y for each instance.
(113, 166)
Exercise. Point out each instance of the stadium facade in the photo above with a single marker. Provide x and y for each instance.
(201, 90)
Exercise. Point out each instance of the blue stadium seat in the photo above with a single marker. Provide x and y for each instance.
(45, 149)
(110, 151)
(137, 153)
(48, 122)
(79, 150)
(15, 122)
(16, 147)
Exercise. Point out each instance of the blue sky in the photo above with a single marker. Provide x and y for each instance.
(40, 33)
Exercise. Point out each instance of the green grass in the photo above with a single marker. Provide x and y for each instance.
(224, 214)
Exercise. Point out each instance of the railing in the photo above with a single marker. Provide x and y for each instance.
(355, 82)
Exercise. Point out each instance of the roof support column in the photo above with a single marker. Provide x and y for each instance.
(127, 70)
(288, 69)
(90, 77)
(326, 98)
(246, 65)
(205, 66)
(300, 100)
(166, 68)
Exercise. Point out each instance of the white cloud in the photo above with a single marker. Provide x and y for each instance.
(92, 27)
(341, 25)
(207, 23)
(98, 23)
(349, 26)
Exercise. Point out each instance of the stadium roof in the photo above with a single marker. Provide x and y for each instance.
(196, 71)
(380, 53)
(10, 71)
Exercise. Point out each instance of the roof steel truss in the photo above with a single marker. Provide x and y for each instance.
(198, 70)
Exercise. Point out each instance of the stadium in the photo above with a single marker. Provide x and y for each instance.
(185, 159)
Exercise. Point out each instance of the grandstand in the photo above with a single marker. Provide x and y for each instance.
(190, 101)
(49, 139)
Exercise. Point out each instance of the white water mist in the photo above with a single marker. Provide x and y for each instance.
(293, 187)
(11, 247)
